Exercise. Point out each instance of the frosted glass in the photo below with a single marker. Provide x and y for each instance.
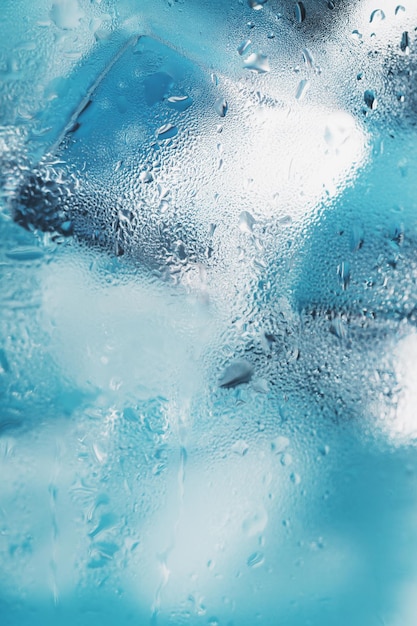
(208, 293)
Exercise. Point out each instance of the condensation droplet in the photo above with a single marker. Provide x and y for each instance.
(167, 131)
(405, 43)
(286, 459)
(146, 176)
(179, 103)
(377, 16)
(257, 4)
(303, 87)
(237, 373)
(295, 478)
(370, 100)
(300, 12)
(308, 58)
(221, 107)
(257, 62)
(343, 272)
(256, 559)
(339, 328)
(246, 222)
(243, 47)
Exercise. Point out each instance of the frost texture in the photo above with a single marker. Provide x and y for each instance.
(208, 292)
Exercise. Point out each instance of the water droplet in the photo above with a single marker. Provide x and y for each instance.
(356, 35)
(308, 58)
(246, 222)
(243, 47)
(257, 62)
(237, 373)
(166, 131)
(240, 447)
(405, 43)
(280, 444)
(343, 271)
(303, 87)
(99, 455)
(399, 9)
(339, 328)
(250, 25)
(300, 12)
(179, 103)
(213, 621)
(221, 107)
(255, 523)
(256, 559)
(271, 35)
(370, 100)
(163, 192)
(257, 4)
(295, 478)
(146, 176)
(325, 450)
(286, 459)
(180, 250)
(377, 16)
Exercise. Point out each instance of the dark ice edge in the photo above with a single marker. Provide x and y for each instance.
(87, 98)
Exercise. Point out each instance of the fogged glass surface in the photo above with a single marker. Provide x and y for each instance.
(208, 291)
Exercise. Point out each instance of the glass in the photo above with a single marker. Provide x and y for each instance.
(207, 334)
